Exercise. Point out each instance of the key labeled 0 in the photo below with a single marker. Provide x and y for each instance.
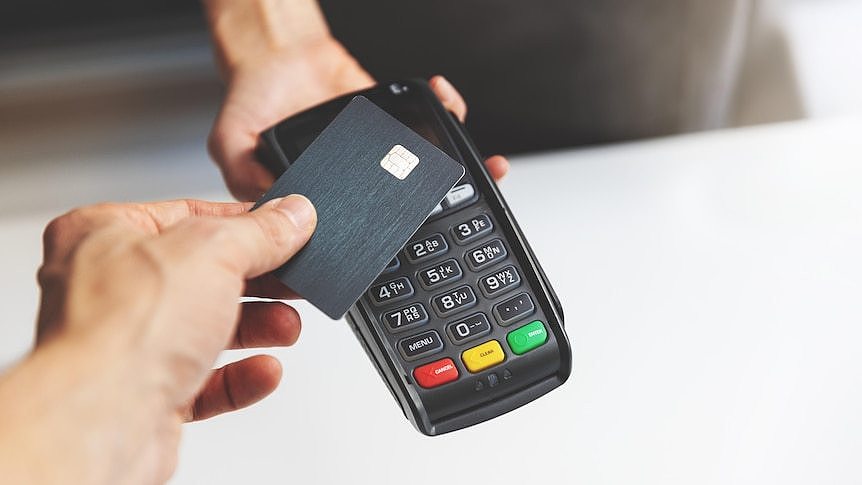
(469, 328)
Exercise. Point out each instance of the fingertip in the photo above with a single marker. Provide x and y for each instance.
(269, 373)
(270, 369)
(291, 324)
(264, 239)
(254, 378)
(236, 386)
(267, 324)
(498, 167)
(438, 82)
(449, 97)
(247, 181)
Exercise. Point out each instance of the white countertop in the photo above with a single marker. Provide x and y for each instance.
(711, 286)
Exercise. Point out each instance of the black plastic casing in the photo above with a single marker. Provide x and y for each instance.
(469, 400)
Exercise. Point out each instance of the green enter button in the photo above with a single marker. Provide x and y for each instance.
(528, 337)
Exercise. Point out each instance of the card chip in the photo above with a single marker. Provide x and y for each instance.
(399, 162)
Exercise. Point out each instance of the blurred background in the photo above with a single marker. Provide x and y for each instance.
(89, 88)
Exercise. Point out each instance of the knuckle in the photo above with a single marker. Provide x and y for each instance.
(57, 229)
(65, 226)
(97, 210)
(192, 206)
(214, 144)
(49, 276)
(82, 220)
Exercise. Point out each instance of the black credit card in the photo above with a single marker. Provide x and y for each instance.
(374, 182)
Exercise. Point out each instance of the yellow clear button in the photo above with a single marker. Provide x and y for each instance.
(483, 356)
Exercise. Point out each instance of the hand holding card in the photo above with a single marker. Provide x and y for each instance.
(374, 182)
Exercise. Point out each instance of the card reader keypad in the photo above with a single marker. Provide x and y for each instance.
(462, 324)
(436, 332)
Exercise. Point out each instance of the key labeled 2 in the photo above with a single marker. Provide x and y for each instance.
(500, 281)
(448, 271)
(426, 248)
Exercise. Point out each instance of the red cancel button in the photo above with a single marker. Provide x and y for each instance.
(436, 373)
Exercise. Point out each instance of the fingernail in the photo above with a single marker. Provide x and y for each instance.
(299, 209)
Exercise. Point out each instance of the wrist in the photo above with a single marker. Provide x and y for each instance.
(244, 31)
(76, 403)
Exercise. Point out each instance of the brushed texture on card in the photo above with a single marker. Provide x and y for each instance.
(365, 213)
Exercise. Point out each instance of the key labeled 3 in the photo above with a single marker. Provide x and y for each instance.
(472, 228)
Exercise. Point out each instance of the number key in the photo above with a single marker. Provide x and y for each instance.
(454, 301)
(440, 274)
(407, 317)
(420, 249)
(469, 328)
(487, 254)
(472, 228)
(392, 290)
(500, 281)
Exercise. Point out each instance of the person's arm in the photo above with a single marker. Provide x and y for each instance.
(278, 57)
(138, 300)
(246, 30)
